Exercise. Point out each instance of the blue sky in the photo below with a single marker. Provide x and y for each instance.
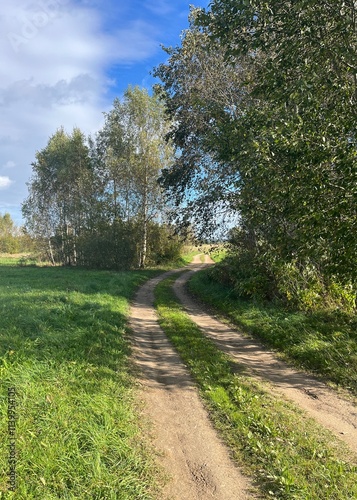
(63, 62)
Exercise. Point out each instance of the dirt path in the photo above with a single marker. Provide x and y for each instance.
(192, 454)
(320, 402)
(194, 457)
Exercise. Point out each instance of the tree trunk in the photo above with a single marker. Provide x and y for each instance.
(145, 225)
(51, 252)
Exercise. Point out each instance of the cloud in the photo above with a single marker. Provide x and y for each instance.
(160, 7)
(9, 164)
(55, 56)
(5, 182)
(63, 63)
(79, 89)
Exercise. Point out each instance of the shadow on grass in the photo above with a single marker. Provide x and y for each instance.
(62, 315)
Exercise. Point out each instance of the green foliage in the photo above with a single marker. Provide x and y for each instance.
(292, 457)
(202, 95)
(63, 347)
(9, 242)
(272, 137)
(296, 143)
(164, 245)
(250, 275)
(244, 279)
(97, 202)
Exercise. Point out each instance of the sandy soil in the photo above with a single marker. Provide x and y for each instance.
(196, 460)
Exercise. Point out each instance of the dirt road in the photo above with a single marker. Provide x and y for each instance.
(194, 456)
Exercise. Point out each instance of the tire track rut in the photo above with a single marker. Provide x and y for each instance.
(191, 452)
(316, 398)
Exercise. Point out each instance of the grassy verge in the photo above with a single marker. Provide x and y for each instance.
(292, 457)
(219, 253)
(64, 350)
(322, 342)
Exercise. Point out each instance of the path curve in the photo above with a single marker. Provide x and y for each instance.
(197, 461)
(310, 394)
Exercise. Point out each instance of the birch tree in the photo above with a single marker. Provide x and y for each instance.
(59, 193)
(135, 151)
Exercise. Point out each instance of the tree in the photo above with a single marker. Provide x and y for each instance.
(282, 145)
(97, 202)
(9, 234)
(299, 150)
(60, 193)
(204, 96)
(133, 150)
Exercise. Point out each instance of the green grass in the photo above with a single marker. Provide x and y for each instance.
(9, 260)
(216, 251)
(292, 457)
(188, 255)
(219, 253)
(63, 346)
(324, 342)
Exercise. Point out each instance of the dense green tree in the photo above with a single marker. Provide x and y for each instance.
(9, 234)
(275, 137)
(60, 193)
(297, 157)
(133, 150)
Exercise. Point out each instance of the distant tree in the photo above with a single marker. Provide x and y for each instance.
(96, 201)
(8, 234)
(132, 152)
(60, 193)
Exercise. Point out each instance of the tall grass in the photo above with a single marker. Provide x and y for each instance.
(63, 347)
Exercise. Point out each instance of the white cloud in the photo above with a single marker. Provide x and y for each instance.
(5, 182)
(160, 7)
(54, 57)
(9, 164)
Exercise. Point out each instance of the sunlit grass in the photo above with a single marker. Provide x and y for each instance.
(290, 455)
(63, 346)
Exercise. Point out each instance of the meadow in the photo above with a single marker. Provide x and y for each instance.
(65, 351)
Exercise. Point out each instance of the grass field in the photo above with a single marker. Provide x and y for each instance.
(292, 457)
(323, 342)
(64, 349)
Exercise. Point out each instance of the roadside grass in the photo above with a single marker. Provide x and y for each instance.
(188, 253)
(218, 253)
(291, 455)
(324, 343)
(63, 347)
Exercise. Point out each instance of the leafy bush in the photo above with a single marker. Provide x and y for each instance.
(164, 245)
(252, 272)
(246, 278)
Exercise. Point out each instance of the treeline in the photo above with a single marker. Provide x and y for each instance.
(13, 239)
(263, 98)
(96, 202)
